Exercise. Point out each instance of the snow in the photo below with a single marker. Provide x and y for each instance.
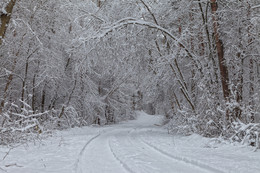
(257, 6)
(137, 146)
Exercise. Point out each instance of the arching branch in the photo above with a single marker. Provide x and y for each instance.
(129, 21)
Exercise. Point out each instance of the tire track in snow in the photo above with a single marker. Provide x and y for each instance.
(119, 160)
(183, 159)
(82, 151)
(153, 148)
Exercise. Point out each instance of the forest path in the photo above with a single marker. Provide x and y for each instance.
(123, 149)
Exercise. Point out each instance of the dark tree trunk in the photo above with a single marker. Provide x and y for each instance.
(221, 59)
(5, 19)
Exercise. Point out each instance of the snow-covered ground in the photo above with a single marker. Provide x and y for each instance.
(138, 146)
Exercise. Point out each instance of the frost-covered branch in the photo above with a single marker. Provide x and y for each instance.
(133, 21)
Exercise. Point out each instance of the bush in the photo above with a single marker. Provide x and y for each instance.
(248, 134)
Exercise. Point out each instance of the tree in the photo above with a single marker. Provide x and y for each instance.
(221, 59)
(5, 16)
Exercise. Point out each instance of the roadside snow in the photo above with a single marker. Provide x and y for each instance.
(138, 146)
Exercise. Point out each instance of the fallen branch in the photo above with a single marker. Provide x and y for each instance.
(7, 153)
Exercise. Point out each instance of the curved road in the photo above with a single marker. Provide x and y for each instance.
(121, 149)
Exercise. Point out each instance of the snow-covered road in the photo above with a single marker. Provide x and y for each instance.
(139, 146)
(123, 150)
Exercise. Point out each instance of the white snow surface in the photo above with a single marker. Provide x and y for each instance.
(137, 146)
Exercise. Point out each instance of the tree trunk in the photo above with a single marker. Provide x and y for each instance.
(251, 68)
(43, 98)
(221, 59)
(9, 80)
(34, 94)
(5, 19)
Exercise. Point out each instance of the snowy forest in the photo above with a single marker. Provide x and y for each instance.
(75, 63)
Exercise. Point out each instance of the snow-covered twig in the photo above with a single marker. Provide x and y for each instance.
(7, 153)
